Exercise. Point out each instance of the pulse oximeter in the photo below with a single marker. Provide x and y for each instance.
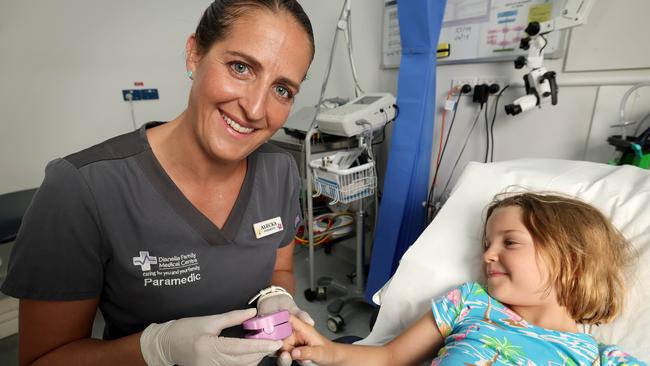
(274, 326)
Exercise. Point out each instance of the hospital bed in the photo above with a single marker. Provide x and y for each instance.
(448, 252)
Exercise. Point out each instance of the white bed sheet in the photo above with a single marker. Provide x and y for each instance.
(448, 251)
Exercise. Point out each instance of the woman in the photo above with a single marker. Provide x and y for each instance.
(165, 226)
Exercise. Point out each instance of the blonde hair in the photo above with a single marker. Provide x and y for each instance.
(585, 254)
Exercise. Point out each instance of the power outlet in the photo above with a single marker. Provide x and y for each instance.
(457, 82)
(139, 94)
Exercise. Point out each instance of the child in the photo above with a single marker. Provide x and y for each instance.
(550, 262)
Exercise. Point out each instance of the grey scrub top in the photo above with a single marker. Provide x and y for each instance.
(108, 222)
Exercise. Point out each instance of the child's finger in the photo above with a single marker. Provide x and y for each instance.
(300, 326)
(305, 332)
(314, 354)
(296, 323)
(288, 344)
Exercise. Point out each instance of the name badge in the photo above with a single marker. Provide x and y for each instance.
(268, 227)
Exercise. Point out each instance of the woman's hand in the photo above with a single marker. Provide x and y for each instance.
(196, 341)
(281, 300)
(277, 301)
(306, 344)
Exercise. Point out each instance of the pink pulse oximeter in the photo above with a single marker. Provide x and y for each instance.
(274, 326)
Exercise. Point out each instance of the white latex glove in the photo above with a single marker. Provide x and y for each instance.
(196, 341)
(273, 302)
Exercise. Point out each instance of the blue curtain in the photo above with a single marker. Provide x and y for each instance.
(402, 216)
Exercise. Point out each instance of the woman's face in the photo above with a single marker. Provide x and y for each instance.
(244, 86)
(515, 274)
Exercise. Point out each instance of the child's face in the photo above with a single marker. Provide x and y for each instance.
(515, 274)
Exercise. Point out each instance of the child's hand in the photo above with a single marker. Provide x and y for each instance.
(303, 335)
(306, 344)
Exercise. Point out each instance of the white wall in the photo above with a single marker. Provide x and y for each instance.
(577, 127)
(64, 63)
(367, 18)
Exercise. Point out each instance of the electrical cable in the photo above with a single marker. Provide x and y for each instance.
(303, 161)
(376, 213)
(343, 16)
(440, 143)
(135, 125)
(442, 125)
(431, 194)
(376, 194)
(347, 32)
(643, 138)
(641, 123)
(368, 132)
(462, 150)
(383, 130)
(372, 157)
(389, 121)
(321, 98)
(383, 136)
(334, 222)
(622, 122)
(494, 117)
(545, 43)
(444, 147)
(487, 133)
(319, 236)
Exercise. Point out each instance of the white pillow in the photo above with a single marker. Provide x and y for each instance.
(448, 251)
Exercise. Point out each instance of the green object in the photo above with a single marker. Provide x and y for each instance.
(642, 161)
(632, 150)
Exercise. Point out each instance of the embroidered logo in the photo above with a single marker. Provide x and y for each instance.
(175, 270)
(145, 261)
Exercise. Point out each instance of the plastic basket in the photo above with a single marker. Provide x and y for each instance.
(344, 185)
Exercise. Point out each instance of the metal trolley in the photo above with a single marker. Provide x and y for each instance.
(346, 183)
(343, 185)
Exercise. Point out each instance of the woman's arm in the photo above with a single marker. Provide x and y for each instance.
(283, 271)
(415, 345)
(58, 333)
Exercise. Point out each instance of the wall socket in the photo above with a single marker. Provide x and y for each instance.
(139, 94)
(457, 82)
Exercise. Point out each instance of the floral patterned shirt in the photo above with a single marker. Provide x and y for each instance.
(479, 330)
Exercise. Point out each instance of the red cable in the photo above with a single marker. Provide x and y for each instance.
(442, 128)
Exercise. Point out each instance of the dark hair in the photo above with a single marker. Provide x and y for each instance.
(219, 17)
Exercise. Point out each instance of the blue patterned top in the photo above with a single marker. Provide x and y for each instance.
(479, 330)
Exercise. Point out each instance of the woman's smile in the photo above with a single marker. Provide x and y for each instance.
(236, 127)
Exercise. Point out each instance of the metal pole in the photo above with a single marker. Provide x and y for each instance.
(360, 243)
(310, 208)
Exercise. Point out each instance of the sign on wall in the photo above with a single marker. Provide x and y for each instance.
(480, 30)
